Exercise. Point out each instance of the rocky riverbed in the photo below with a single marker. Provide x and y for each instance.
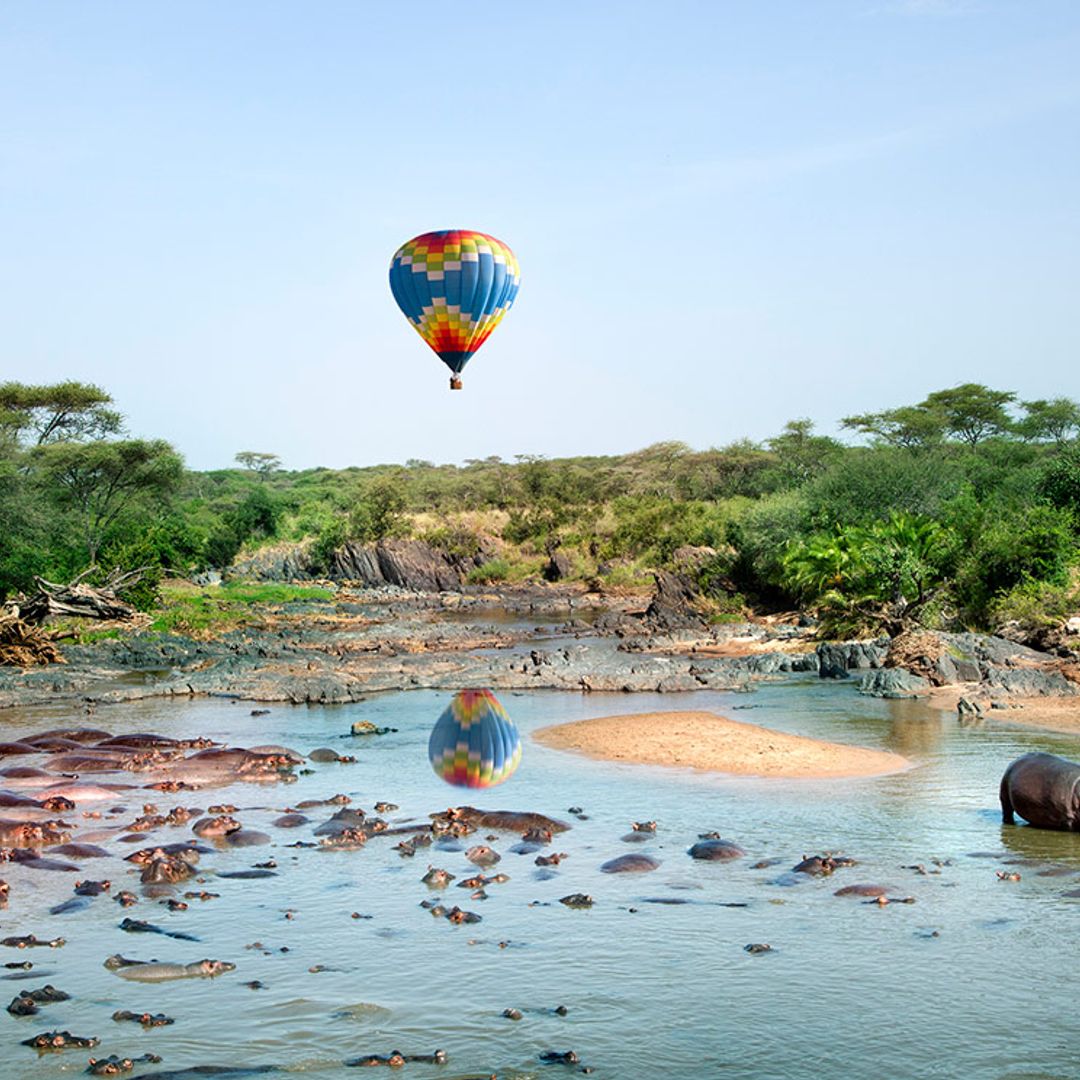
(559, 637)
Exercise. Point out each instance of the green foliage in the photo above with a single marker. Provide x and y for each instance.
(972, 412)
(98, 482)
(60, 412)
(379, 513)
(1035, 604)
(881, 575)
(168, 544)
(186, 610)
(913, 427)
(866, 483)
(761, 533)
(1058, 419)
(654, 527)
(1036, 544)
(455, 541)
(260, 463)
(968, 497)
(1059, 481)
(492, 571)
(801, 455)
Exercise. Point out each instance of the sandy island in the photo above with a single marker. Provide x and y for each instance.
(1050, 713)
(702, 740)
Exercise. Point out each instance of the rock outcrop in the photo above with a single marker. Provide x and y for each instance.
(276, 562)
(673, 604)
(408, 564)
(837, 658)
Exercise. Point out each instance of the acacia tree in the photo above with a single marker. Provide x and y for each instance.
(972, 412)
(262, 464)
(1057, 420)
(100, 480)
(63, 411)
(913, 427)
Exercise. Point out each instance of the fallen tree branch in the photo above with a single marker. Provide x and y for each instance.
(24, 645)
(81, 600)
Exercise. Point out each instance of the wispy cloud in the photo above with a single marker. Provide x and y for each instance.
(729, 174)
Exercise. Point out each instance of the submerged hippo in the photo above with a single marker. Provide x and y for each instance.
(509, 820)
(717, 850)
(630, 864)
(1044, 790)
(157, 972)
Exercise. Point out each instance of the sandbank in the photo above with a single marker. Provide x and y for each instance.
(703, 740)
(1051, 713)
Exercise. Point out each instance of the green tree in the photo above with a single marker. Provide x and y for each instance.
(99, 481)
(380, 512)
(1059, 483)
(802, 455)
(62, 411)
(1035, 543)
(972, 412)
(1057, 420)
(261, 464)
(913, 427)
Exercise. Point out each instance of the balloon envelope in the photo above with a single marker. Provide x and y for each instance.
(474, 743)
(454, 286)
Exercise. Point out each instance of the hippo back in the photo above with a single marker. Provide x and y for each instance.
(1043, 790)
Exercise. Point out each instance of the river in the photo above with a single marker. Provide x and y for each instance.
(973, 979)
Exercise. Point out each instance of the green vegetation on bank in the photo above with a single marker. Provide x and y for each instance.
(961, 509)
(188, 609)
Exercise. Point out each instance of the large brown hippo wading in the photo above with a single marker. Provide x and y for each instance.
(1044, 790)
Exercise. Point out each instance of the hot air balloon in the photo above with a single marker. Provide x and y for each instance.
(474, 743)
(454, 286)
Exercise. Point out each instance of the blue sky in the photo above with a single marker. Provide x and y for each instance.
(727, 214)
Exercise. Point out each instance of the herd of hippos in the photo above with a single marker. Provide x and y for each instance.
(37, 800)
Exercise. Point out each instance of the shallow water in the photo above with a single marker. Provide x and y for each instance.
(850, 989)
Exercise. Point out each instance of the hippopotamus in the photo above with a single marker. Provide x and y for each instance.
(138, 926)
(114, 1066)
(146, 1019)
(509, 820)
(873, 891)
(396, 1058)
(630, 864)
(61, 1040)
(715, 850)
(26, 1003)
(216, 826)
(30, 835)
(76, 735)
(166, 870)
(152, 971)
(1044, 790)
(291, 821)
(13, 749)
(81, 851)
(482, 855)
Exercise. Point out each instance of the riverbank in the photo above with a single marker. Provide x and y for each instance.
(702, 740)
(343, 643)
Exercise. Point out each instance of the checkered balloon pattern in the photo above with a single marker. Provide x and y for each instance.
(454, 286)
(474, 743)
